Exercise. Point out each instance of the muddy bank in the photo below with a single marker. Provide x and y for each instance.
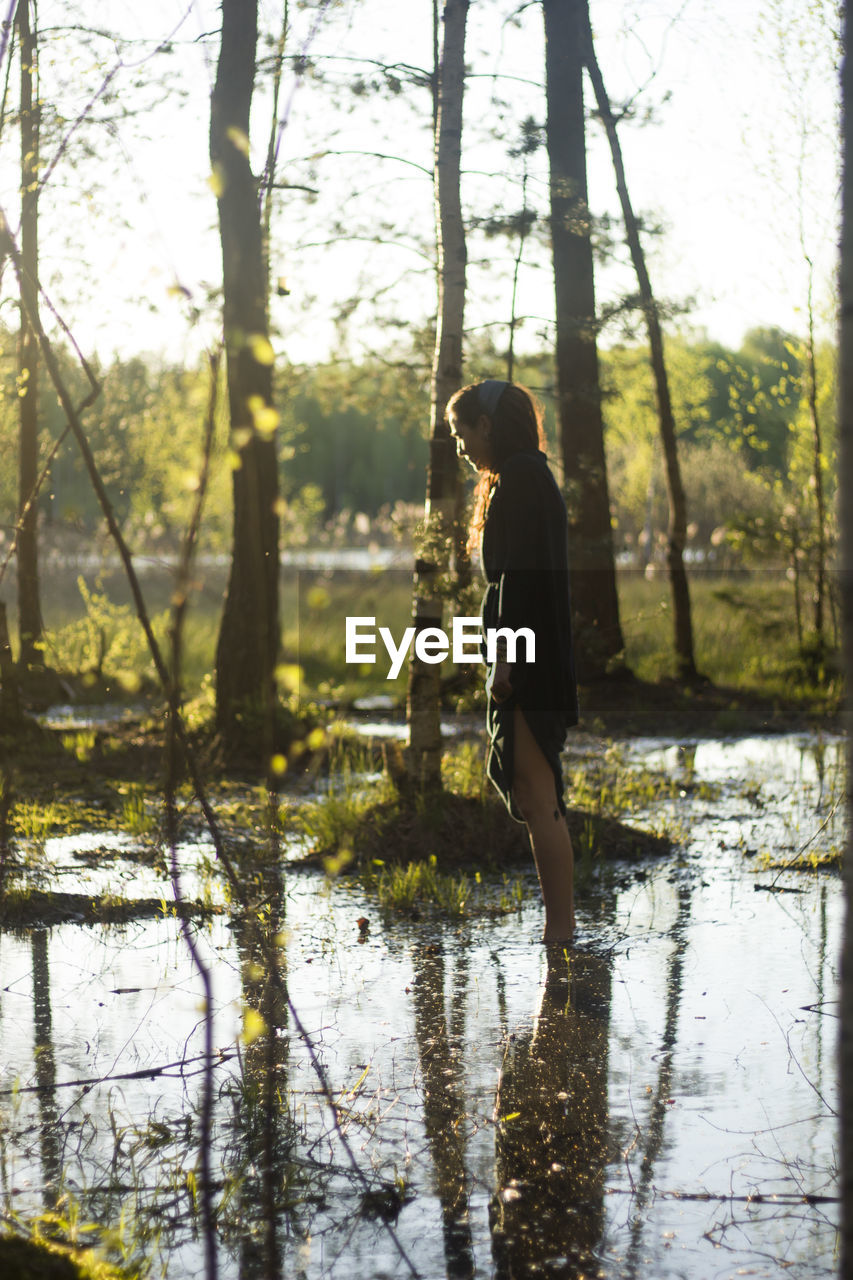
(470, 833)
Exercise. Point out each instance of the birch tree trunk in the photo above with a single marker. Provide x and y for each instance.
(247, 648)
(677, 531)
(29, 606)
(423, 708)
(595, 607)
(845, 491)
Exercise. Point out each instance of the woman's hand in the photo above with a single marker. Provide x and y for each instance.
(499, 684)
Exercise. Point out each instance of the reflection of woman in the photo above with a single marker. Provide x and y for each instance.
(551, 1147)
(522, 518)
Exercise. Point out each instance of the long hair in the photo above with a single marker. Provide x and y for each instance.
(517, 423)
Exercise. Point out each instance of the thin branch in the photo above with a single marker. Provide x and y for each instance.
(7, 78)
(267, 184)
(802, 848)
(378, 155)
(144, 1073)
(99, 93)
(7, 30)
(283, 122)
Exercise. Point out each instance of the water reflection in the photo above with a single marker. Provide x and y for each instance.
(655, 1125)
(551, 1146)
(441, 1044)
(708, 1039)
(45, 1065)
(264, 1132)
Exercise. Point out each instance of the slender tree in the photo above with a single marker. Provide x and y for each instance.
(677, 530)
(249, 634)
(595, 605)
(803, 40)
(443, 475)
(817, 464)
(29, 605)
(845, 489)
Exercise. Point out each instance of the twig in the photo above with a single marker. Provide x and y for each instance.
(88, 1082)
(99, 93)
(802, 848)
(726, 1197)
(7, 30)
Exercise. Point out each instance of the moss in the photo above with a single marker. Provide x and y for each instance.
(467, 832)
(49, 1260)
(31, 908)
(26, 1260)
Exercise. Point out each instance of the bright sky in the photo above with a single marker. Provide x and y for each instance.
(742, 150)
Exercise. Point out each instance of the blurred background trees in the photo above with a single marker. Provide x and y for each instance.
(349, 215)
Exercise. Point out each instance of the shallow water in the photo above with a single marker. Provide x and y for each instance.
(656, 1103)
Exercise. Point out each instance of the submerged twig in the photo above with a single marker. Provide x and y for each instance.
(802, 848)
(728, 1197)
(144, 1073)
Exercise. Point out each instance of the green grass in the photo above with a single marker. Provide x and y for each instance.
(744, 635)
(421, 885)
(744, 631)
(133, 816)
(332, 821)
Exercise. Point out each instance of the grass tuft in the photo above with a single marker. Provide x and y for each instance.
(421, 885)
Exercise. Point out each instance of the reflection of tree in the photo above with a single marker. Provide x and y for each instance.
(551, 1146)
(263, 1119)
(654, 1135)
(440, 1047)
(51, 1157)
(687, 763)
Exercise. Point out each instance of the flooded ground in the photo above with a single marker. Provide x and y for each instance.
(658, 1101)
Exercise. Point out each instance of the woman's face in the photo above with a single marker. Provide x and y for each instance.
(473, 442)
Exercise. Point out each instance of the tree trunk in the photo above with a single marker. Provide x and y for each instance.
(10, 701)
(29, 607)
(443, 476)
(817, 472)
(845, 491)
(598, 634)
(677, 531)
(249, 634)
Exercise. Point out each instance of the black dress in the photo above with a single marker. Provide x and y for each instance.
(525, 560)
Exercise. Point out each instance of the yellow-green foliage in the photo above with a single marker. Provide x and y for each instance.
(463, 770)
(421, 884)
(133, 815)
(106, 639)
(744, 635)
(315, 607)
(33, 821)
(607, 784)
(353, 790)
(43, 1257)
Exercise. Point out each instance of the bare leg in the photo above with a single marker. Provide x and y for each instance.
(535, 794)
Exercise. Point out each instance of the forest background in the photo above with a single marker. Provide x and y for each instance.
(736, 174)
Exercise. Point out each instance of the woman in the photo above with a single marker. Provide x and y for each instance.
(521, 517)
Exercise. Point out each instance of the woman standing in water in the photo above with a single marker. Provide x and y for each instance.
(521, 519)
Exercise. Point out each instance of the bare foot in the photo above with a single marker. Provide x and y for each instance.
(559, 935)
